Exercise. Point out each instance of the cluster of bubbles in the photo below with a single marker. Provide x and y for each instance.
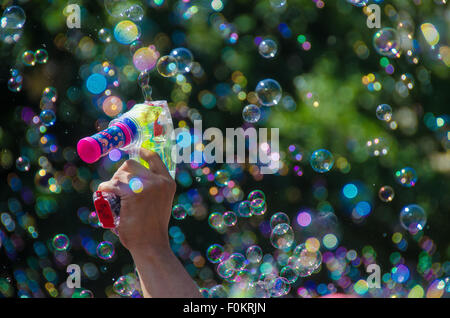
(263, 253)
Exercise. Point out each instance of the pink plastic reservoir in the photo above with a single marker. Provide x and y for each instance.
(90, 149)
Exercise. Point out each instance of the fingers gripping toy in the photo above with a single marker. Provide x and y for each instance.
(147, 125)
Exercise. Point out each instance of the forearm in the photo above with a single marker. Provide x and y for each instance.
(163, 276)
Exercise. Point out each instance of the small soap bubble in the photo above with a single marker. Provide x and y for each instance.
(321, 160)
(13, 18)
(41, 56)
(136, 185)
(147, 92)
(384, 112)
(258, 206)
(23, 164)
(407, 80)
(268, 48)
(86, 293)
(145, 59)
(358, 3)
(167, 66)
(251, 113)
(221, 178)
(48, 117)
(413, 218)
(50, 93)
(117, 8)
(245, 209)
(305, 261)
(237, 261)
(215, 220)
(136, 45)
(268, 92)
(218, 291)
(215, 253)
(29, 58)
(407, 177)
(282, 236)
(386, 193)
(61, 242)
(124, 285)
(184, 59)
(105, 250)
(386, 42)
(179, 212)
(105, 35)
(254, 254)
(15, 84)
(256, 194)
(289, 273)
(279, 218)
(135, 13)
(112, 106)
(230, 218)
(279, 287)
(126, 32)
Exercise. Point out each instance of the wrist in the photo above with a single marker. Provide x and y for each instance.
(149, 253)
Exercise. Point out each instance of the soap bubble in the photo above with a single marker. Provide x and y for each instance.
(125, 285)
(282, 236)
(268, 92)
(112, 106)
(28, 58)
(117, 8)
(15, 82)
(50, 93)
(215, 253)
(256, 194)
(230, 218)
(179, 212)
(215, 220)
(48, 117)
(167, 66)
(13, 18)
(377, 147)
(358, 3)
(386, 42)
(144, 59)
(307, 260)
(386, 193)
(86, 293)
(61, 242)
(237, 261)
(251, 113)
(268, 48)
(41, 56)
(244, 209)
(258, 206)
(126, 32)
(289, 274)
(279, 218)
(413, 218)
(143, 79)
(224, 269)
(221, 178)
(136, 45)
(278, 3)
(279, 287)
(135, 13)
(254, 254)
(407, 177)
(384, 112)
(96, 83)
(400, 273)
(321, 160)
(23, 164)
(105, 250)
(184, 59)
(218, 291)
(136, 185)
(105, 35)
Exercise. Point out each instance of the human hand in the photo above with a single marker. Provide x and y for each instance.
(144, 214)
